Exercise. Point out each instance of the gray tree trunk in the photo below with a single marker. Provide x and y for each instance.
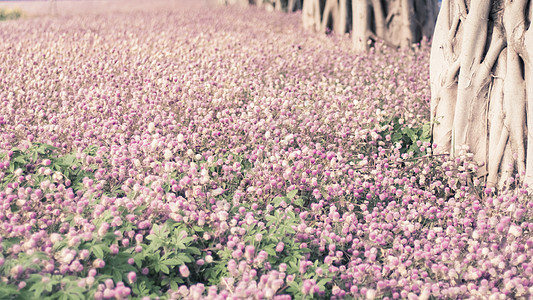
(395, 22)
(482, 85)
(398, 23)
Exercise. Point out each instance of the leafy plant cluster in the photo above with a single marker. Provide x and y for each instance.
(165, 248)
(155, 261)
(410, 138)
(27, 162)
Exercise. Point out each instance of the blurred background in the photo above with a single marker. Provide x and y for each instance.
(69, 7)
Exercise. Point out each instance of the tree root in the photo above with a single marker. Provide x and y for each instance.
(490, 83)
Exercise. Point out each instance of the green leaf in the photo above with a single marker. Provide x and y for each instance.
(299, 202)
(187, 240)
(193, 250)
(323, 193)
(185, 257)
(295, 287)
(165, 281)
(292, 216)
(288, 229)
(138, 258)
(397, 136)
(410, 133)
(152, 237)
(322, 283)
(155, 229)
(277, 201)
(117, 275)
(270, 250)
(98, 251)
(174, 286)
(20, 159)
(164, 269)
(426, 132)
(173, 262)
(38, 290)
(292, 194)
(305, 250)
(271, 220)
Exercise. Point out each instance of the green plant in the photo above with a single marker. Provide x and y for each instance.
(409, 137)
(42, 162)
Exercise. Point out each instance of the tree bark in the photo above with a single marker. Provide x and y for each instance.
(481, 84)
(312, 14)
(395, 22)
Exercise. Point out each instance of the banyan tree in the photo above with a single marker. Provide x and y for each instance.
(394, 22)
(482, 85)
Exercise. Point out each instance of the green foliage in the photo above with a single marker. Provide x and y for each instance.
(10, 14)
(166, 245)
(51, 287)
(409, 136)
(168, 248)
(27, 162)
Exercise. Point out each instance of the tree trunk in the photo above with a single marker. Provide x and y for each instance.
(361, 24)
(294, 5)
(395, 22)
(481, 84)
(233, 2)
(312, 14)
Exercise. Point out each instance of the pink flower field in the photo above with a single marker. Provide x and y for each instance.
(170, 152)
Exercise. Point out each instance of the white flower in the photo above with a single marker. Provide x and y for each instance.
(137, 163)
(168, 154)
(370, 294)
(180, 138)
(66, 256)
(515, 230)
(154, 144)
(222, 215)
(151, 127)
(217, 192)
(412, 296)
(425, 294)
(289, 137)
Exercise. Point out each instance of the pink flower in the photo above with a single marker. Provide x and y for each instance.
(98, 263)
(184, 271)
(114, 249)
(132, 277)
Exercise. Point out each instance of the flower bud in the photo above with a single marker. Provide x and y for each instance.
(132, 277)
(184, 271)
